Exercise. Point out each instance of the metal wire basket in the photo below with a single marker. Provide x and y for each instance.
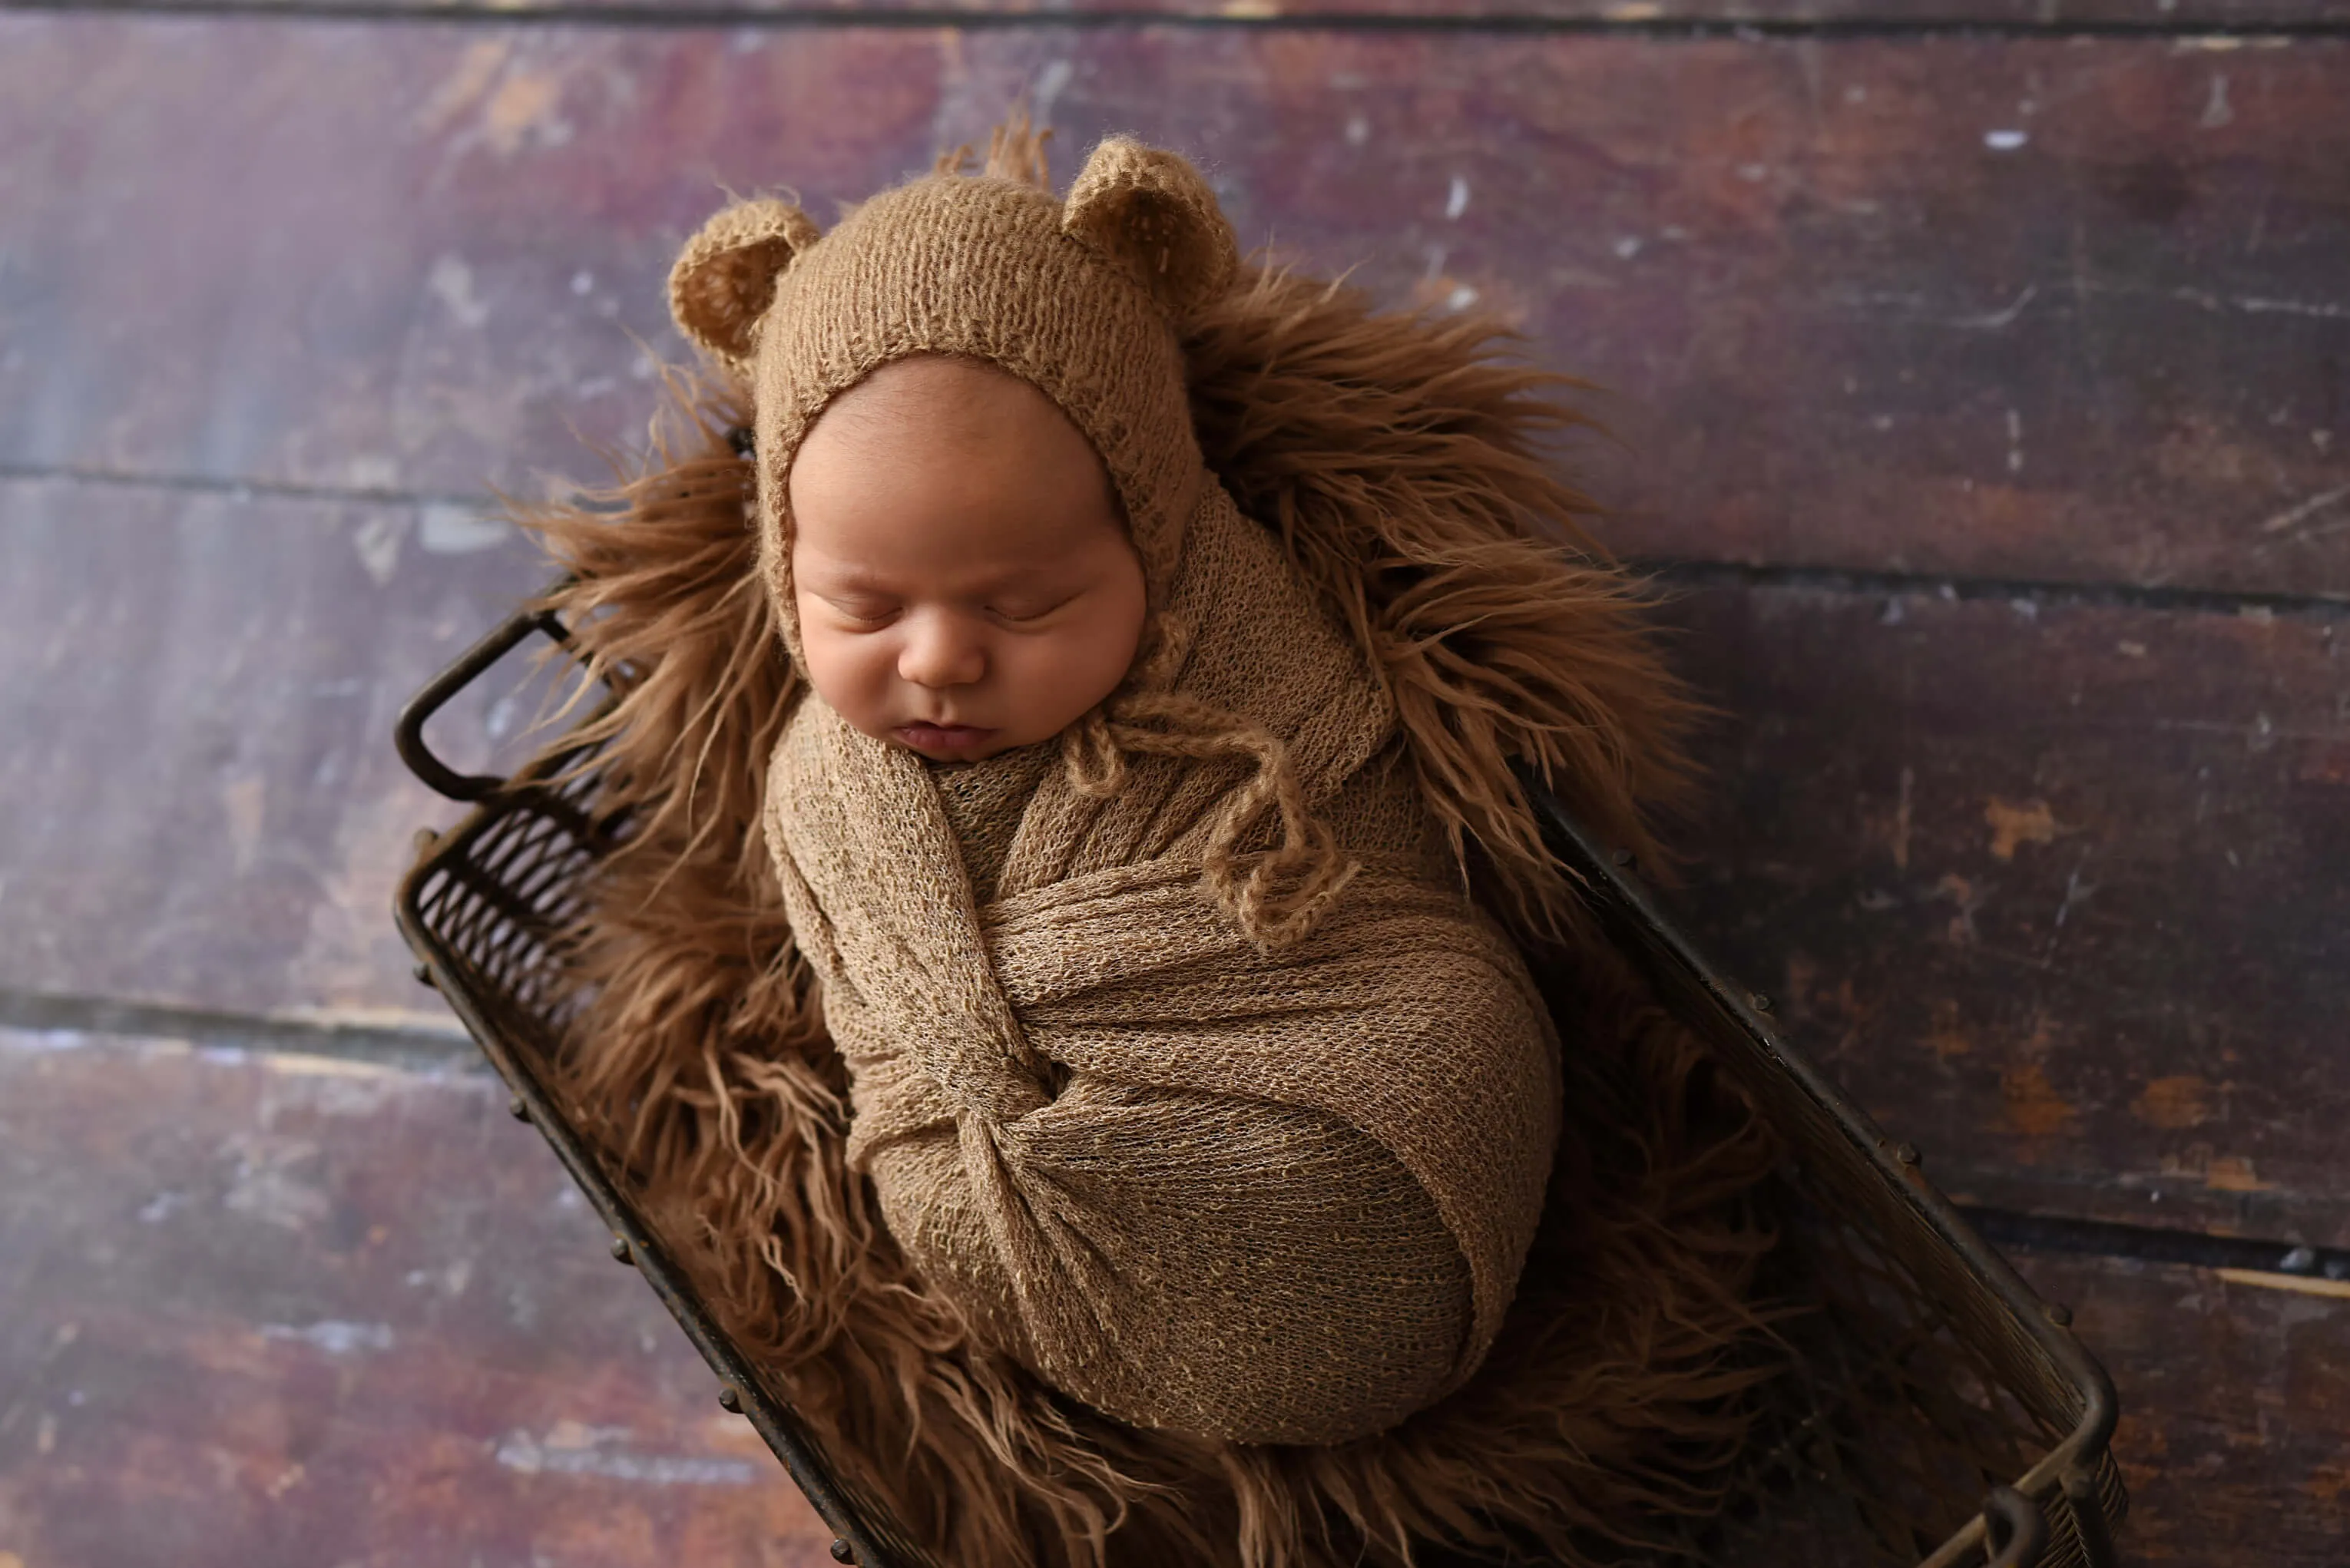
(1938, 1411)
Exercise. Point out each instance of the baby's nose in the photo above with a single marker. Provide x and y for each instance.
(937, 653)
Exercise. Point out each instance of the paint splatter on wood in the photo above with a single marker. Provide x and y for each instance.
(2187, 921)
(2181, 1100)
(2011, 825)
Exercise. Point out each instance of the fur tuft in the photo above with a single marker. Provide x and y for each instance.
(1402, 460)
(1015, 151)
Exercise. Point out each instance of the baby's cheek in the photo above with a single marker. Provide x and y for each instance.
(840, 671)
(1087, 667)
(1029, 677)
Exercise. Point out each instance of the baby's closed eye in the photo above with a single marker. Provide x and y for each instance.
(860, 609)
(1019, 608)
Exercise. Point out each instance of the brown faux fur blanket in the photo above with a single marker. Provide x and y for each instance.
(1393, 468)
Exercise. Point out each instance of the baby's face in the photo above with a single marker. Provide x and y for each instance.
(964, 581)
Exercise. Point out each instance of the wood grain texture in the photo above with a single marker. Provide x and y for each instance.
(2060, 893)
(2060, 889)
(2235, 1431)
(278, 1313)
(266, 1313)
(197, 692)
(2015, 308)
(2050, 16)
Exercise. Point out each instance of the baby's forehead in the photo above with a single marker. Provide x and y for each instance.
(941, 395)
(967, 447)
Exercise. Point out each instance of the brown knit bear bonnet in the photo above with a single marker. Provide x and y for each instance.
(1081, 297)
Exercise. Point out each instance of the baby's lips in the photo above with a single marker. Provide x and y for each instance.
(947, 738)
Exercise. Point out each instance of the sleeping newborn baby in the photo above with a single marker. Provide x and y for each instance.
(1181, 1063)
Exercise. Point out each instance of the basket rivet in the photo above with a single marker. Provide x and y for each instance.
(842, 1552)
(423, 839)
(518, 1107)
(423, 972)
(1907, 1154)
(2062, 1316)
(620, 1253)
(730, 1397)
(1759, 1003)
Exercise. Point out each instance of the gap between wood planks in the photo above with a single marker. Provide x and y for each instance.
(416, 1046)
(1243, 16)
(2037, 591)
(234, 489)
(2244, 1259)
(1672, 573)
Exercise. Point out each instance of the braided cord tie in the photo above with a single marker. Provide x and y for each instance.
(1277, 896)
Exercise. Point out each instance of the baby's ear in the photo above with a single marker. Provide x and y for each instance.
(1153, 211)
(725, 277)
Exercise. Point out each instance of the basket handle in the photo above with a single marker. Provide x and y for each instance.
(2014, 1528)
(408, 735)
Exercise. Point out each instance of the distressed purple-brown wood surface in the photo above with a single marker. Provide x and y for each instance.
(2055, 890)
(2055, 881)
(197, 692)
(280, 1311)
(2017, 307)
(2052, 15)
(2235, 1431)
(276, 1310)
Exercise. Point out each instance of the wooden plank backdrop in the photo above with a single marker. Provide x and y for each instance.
(282, 1309)
(416, 259)
(2251, 17)
(2055, 889)
(2238, 1388)
(204, 810)
(1984, 374)
(270, 1309)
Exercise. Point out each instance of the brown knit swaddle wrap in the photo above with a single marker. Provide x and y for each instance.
(1279, 1195)
(1181, 1063)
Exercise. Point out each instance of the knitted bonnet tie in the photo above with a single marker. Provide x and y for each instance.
(1225, 1112)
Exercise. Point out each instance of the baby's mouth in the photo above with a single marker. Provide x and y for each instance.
(943, 740)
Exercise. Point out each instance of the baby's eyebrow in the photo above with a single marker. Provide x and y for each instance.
(845, 575)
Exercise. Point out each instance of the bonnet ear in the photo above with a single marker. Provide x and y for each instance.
(725, 277)
(1150, 210)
